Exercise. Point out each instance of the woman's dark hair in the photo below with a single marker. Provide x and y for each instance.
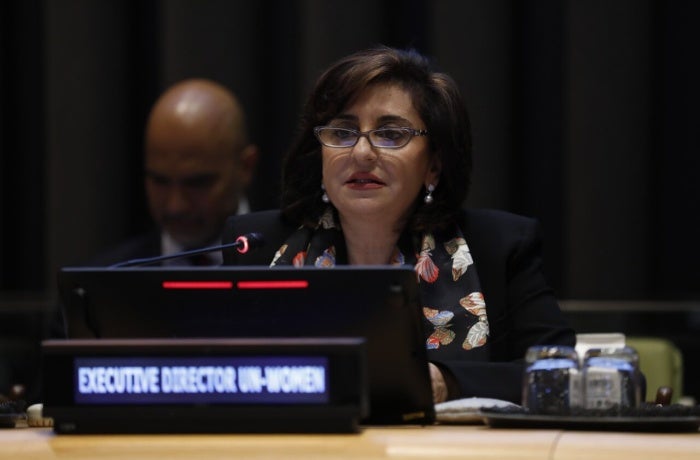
(435, 97)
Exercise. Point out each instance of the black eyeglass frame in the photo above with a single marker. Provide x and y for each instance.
(413, 133)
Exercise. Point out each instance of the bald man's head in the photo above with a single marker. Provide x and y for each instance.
(198, 160)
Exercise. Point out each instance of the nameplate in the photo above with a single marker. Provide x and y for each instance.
(205, 385)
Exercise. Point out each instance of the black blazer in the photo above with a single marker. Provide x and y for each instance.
(521, 307)
(146, 245)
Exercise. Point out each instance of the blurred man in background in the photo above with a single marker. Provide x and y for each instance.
(198, 164)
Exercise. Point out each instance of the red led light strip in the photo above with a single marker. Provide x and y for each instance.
(197, 285)
(286, 284)
(280, 284)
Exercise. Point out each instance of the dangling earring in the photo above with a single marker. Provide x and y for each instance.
(324, 197)
(429, 195)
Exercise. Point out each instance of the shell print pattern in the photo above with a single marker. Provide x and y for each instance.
(327, 259)
(299, 259)
(425, 267)
(461, 257)
(397, 258)
(475, 304)
(280, 252)
(327, 221)
(440, 320)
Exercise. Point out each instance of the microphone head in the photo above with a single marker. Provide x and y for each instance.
(250, 241)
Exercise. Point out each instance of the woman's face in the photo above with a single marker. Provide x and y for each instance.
(366, 182)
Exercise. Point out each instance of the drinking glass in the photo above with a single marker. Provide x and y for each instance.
(611, 378)
(552, 380)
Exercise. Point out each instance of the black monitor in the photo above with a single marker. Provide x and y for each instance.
(379, 304)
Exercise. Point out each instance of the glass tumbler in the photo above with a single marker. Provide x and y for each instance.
(552, 380)
(611, 378)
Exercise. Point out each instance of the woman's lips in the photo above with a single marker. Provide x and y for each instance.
(363, 182)
(361, 185)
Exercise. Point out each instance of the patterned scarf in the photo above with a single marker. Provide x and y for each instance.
(451, 296)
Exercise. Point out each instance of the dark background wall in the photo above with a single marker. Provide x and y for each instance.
(584, 116)
(583, 112)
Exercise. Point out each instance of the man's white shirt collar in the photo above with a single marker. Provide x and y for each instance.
(169, 246)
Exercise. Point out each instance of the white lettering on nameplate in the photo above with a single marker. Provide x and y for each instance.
(165, 380)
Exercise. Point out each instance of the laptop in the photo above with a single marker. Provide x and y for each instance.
(379, 304)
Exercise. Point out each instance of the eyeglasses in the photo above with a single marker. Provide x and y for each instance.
(385, 138)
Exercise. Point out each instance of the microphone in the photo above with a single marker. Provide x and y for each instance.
(243, 244)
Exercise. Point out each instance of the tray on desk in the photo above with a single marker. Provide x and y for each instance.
(12, 412)
(654, 421)
(10, 420)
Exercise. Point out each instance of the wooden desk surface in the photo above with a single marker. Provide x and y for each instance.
(406, 442)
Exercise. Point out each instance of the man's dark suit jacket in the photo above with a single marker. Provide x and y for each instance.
(142, 246)
(521, 307)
